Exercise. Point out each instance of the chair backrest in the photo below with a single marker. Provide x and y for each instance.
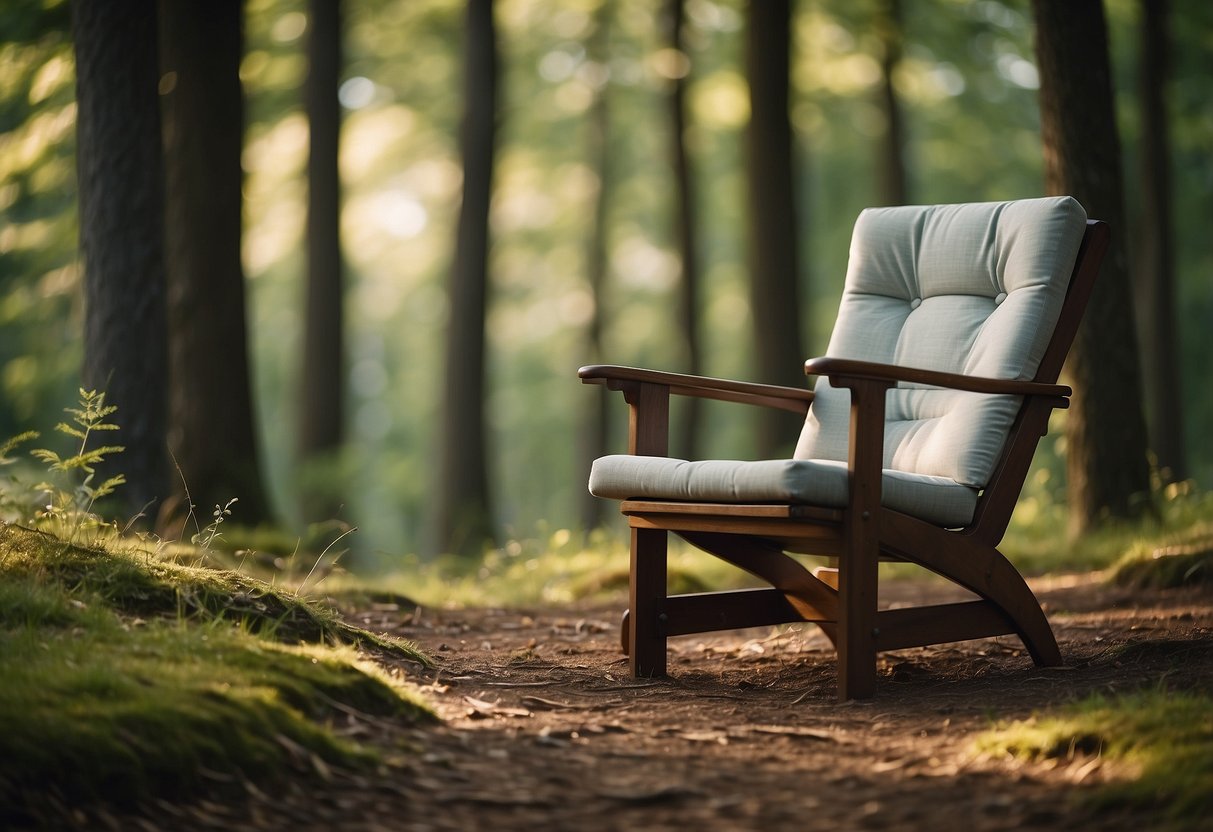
(973, 289)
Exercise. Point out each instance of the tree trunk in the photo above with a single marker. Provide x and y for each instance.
(687, 438)
(1155, 284)
(891, 166)
(211, 430)
(598, 130)
(773, 227)
(322, 378)
(1105, 432)
(121, 204)
(463, 517)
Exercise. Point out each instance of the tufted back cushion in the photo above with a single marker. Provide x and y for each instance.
(973, 289)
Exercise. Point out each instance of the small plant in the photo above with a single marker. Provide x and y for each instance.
(10, 506)
(208, 535)
(9, 446)
(73, 504)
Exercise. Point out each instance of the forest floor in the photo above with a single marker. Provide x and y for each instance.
(542, 728)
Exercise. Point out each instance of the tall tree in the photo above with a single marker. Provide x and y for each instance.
(773, 227)
(598, 132)
(121, 204)
(322, 374)
(687, 436)
(1107, 470)
(1155, 284)
(463, 515)
(211, 430)
(891, 166)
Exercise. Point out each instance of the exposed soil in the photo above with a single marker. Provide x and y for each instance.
(543, 728)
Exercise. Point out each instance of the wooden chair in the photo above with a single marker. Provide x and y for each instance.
(937, 385)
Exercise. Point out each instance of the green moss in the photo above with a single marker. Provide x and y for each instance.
(125, 678)
(1159, 742)
(1187, 563)
(1036, 541)
(138, 583)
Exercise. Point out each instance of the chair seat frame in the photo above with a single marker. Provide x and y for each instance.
(843, 600)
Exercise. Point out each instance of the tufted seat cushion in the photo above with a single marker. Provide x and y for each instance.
(973, 289)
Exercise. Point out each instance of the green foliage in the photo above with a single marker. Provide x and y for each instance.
(1036, 540)
(40, 349)
(1181, 556)
(66, 500)
(1158, 743)
(126, 677)
(139, 583)
(75, 503)
(10, 504)
(549, 567)
(968, 91)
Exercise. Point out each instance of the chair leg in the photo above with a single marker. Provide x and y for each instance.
(646, 626)
(856, 633)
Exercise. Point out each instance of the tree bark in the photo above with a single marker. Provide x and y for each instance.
(121, 205)
(687, 438)
(1155, 284)
(1107, 467)
(773, 228)
(211, 411)
(595, 421)
(463, 515)
(322, 376)
(891, 166)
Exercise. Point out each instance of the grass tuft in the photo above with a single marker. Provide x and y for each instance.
(1187, 563)
(550, 567)
(1036, 540)
(1159, 744)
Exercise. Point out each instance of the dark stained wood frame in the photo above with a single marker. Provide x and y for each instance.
(843, 601)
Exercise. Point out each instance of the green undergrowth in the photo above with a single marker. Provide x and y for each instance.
(1172, 548)
(550, 567)
(1182, 558)
(1158, 745)
(140, 583)
(125, 678)
(1134, 552)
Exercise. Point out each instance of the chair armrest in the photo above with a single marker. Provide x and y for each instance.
(615, 377)
(843, 368)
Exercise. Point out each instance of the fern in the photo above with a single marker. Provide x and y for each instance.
(74, 503)
(8, 446)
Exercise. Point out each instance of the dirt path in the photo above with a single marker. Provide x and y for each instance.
(544, 729)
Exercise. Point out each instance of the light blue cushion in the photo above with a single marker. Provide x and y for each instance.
(973, 289)
(811, 482)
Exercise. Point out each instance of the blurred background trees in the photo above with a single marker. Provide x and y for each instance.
(582, 241)
(212, 436)
(1154, 295)
(1106, 462)
(322, 373)
(121, 206)
(776, 234)
(463, 514)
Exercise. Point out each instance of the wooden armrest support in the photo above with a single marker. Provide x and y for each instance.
(843, 368)
(615, 377)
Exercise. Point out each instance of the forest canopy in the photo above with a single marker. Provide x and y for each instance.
(967, 86)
